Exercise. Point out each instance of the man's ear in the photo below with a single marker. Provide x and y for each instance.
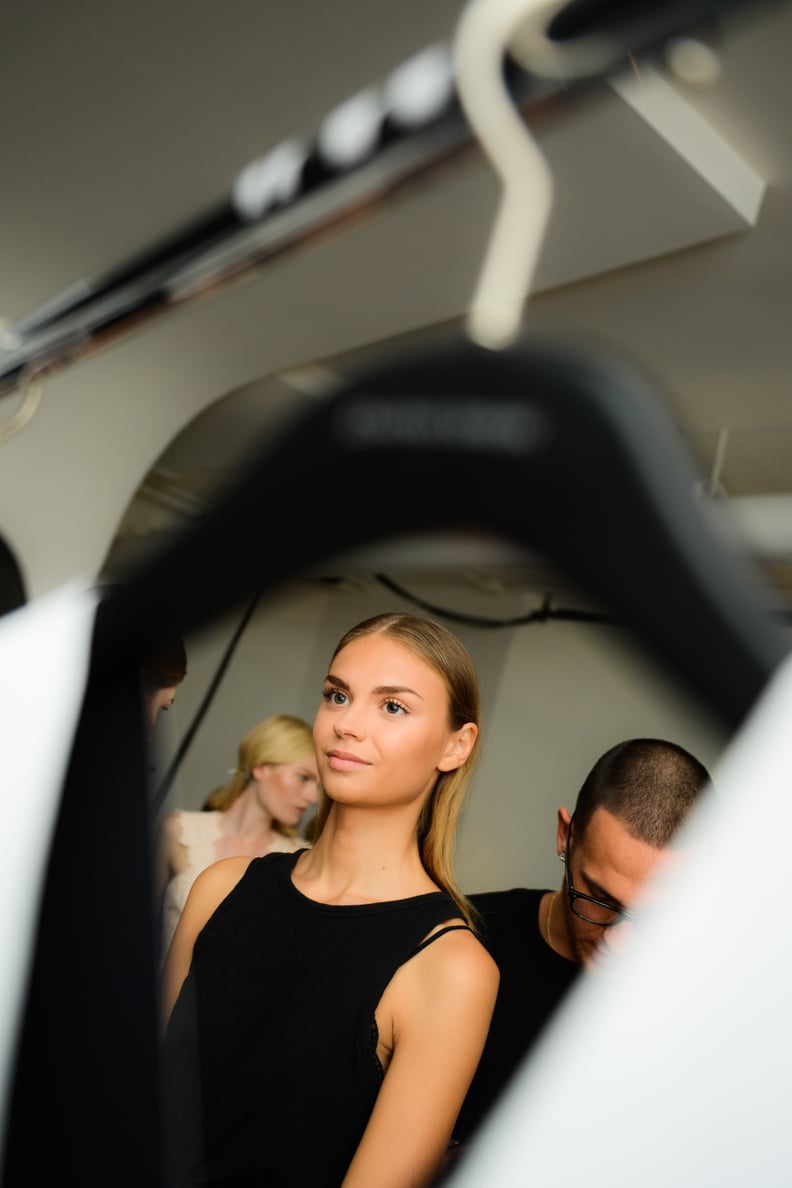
(459, 748)
(562, 830)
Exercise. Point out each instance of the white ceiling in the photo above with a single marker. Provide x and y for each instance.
(670, 234)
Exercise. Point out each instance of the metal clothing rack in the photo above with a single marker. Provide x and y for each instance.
(302, 191)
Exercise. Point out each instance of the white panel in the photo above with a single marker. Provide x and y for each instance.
(44, 651)
(689, 134)
(675, 1066)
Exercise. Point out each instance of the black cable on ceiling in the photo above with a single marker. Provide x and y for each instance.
(540, 615)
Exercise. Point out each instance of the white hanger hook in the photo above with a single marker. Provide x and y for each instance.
(480, 44)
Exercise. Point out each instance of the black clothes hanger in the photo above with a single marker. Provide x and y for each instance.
(561, 448)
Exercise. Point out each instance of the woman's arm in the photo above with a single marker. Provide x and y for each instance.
(206, 894)
(439, 1007)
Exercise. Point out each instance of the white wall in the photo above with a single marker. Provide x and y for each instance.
(66, 479)
(556, 695)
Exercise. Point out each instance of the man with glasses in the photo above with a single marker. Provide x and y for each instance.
(630, 806)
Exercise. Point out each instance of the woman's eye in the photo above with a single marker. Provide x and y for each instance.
(334, 696)
(392, 708)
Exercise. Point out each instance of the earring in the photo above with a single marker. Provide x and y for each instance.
(562, 857)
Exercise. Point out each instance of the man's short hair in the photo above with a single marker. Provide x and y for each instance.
(165, 663)
(648, 783)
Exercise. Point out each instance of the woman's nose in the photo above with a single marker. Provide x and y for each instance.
(349, 722)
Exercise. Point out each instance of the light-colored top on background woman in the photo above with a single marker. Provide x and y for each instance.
(200, 833)
(274, 783)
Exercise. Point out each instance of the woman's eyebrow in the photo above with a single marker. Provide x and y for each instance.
(334, 680)
(381, 690)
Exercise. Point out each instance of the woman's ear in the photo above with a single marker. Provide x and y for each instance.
(459, 748)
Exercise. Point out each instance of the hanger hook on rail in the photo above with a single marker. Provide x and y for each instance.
(481, 40)
(486, 31)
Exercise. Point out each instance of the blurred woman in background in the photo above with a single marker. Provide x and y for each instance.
(274, 783)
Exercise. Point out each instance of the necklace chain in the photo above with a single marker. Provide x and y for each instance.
(553, 898)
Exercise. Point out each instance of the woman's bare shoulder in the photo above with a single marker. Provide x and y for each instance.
(211, 887)
(454, 966)
(221, 876)
(460, 959)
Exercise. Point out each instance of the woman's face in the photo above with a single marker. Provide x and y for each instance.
(286, 790)
(381, 731)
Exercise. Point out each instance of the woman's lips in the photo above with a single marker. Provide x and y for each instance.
(344, 761)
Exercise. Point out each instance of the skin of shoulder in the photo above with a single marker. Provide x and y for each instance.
(206, 894)
(433, 1017)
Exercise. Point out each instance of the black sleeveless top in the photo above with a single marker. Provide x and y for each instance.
(269, 1060)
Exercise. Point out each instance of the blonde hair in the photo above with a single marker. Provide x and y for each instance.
(437, 824)
(282, 738)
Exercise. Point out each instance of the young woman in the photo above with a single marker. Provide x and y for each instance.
(326, 1010)
(275, 782)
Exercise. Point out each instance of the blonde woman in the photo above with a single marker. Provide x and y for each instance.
(326, 1010)
(276, 780)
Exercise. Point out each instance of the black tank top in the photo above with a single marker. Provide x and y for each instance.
(270, 1053)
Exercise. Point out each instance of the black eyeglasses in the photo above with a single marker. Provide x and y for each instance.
(597, 911)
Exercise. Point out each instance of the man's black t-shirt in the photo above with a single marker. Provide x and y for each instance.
(533, 980)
